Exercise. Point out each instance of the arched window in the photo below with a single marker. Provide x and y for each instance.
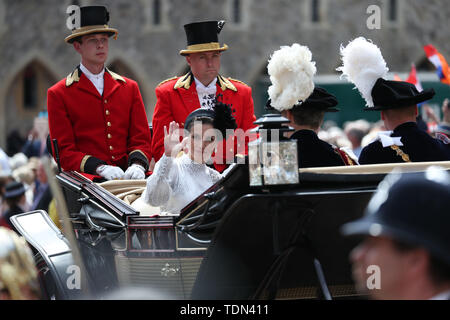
(156, 15)
(30, 87)
(28, 91)
(238, 14)
(314, 14)
(156, 12)
(392, 13)
(392, 10)
(3, 26)
(315, 11)
(236, 11)
(27, 96)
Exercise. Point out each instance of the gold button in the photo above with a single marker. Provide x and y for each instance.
(111, 147)
(112, 157)
(106, 101)
(109, 136)
(108, 124)
(107, 112)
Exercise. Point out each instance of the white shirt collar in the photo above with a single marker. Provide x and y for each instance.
(90, 75)
(200, 85)
(96, 79)
(386, 139)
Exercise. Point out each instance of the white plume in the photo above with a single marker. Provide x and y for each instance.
(363, 64)
(291, 72)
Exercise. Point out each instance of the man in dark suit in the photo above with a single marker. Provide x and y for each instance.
(397, 101)
(306, 118)
(406, 250)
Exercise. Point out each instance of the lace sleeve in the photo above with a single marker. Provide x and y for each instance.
(159, 186)
(216, 175)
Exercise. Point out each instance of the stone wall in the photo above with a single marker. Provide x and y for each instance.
(34, 31)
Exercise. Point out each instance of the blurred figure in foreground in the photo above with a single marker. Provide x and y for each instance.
(18, 275)
(407, 240)
(17, 203)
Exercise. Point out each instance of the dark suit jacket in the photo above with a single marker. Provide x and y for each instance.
(8, 214)
(313, 152)
(417, 144)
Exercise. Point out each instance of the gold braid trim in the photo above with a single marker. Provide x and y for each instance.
(405, 157)
(350, 161)
(83, 162)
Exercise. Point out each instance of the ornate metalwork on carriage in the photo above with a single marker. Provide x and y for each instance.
(168, 271)
(273, 163)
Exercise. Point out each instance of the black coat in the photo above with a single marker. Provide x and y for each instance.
(9, 213)
(417, 144)
(313, 152)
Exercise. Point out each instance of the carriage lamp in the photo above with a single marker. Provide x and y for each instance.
(272, 158)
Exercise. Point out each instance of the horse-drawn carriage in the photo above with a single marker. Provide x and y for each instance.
(266, 230)
(235, 241)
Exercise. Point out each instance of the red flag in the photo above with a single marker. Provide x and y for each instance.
(413, 78)
(438, 60)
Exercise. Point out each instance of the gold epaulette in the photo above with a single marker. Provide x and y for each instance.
(115, 76)
(164, 81)
(224, 83)
(239, 81)
(73, 77)
(184, 81)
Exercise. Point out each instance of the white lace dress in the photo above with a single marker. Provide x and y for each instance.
(175, 182)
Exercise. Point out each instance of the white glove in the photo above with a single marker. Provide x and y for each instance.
(109, 172)
(135, 172)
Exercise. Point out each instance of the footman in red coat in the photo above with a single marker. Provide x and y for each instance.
(179, 96)
(97, 116)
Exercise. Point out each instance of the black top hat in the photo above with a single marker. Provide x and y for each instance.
(412, 209)
(93, 19)
(14, 189)
(320, 99)
(388, 94)
(203, 36)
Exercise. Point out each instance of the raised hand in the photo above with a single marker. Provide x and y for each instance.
(172, 145)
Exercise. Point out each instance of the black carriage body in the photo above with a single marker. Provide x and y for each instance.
(232, 242)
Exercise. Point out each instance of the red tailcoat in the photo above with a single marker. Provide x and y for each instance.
(177, 98)
(93, 129)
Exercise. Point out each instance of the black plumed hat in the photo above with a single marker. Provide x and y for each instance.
(388, 94)
(320, 99)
